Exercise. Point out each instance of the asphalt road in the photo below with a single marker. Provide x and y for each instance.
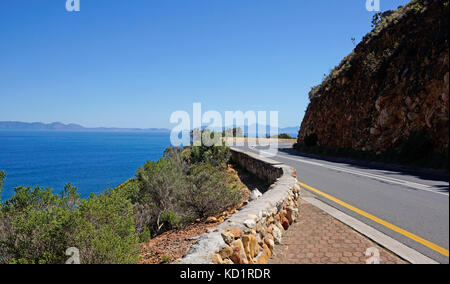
(417, 202)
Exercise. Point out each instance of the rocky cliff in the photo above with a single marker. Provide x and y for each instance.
(392, 91)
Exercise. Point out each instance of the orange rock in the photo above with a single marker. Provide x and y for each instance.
(217, 259)
(259, 240)
(270, 243)
(280, 226)
(225, 252)
(228, 261)
(246, 241)
(238, 256)
(285, 223)
(290, 215)
(254, 247)
(237, 233)
(267, 250)
(211, 220)
(259, 227)
(228, 237)
(251, 246)
(269, 221)
(263, 259)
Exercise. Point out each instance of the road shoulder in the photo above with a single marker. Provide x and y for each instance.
(324, 235)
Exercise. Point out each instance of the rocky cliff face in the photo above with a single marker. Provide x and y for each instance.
(392, 90)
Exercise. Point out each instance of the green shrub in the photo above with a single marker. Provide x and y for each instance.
(173, 194)
(106, 230)
(130, 190)
(145, 236)
(161, 185)
(284, 136)
(37, 226)
(233, 132)
(217, 156)
(2, 178)
(208, 193)
(165, 259)
(378, 19)
(172, 220)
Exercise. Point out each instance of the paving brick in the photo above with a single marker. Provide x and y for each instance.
(319, 238)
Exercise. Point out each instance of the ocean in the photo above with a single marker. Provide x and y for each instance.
(91, 161)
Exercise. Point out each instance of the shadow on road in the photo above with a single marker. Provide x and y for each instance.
(424, 174)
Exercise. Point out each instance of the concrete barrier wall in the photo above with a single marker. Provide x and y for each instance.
(249, 236)
(265, 169)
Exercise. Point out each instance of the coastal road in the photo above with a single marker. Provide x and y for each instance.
(411, 207)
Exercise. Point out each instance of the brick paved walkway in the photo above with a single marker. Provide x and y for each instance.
(318, 238)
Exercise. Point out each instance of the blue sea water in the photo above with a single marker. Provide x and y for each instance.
(91, 161)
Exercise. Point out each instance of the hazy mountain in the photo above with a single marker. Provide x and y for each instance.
(253, 130)
(58, 126)
(292, 131)
(249, 131)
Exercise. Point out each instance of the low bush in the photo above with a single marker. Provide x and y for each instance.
(217, 156)
(183, 187)
(208, 192)
(38, 226)
(2, 178)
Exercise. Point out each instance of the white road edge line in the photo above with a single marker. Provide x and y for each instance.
(414, 185)
(378, 237)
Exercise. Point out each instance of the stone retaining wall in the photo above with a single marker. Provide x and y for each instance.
(264, 169)
(249, 236)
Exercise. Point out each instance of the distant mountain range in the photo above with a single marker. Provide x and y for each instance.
(253, 130)
(58, 126)
(249, 131)
(292, 131)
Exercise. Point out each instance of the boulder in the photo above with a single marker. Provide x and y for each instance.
(238, 256)
(250, 223)
(211, 220)
(216, 259)
(228, 237)
(277, 235)
(255, 194)
(285, 223)
(237, 233)
(225, 252)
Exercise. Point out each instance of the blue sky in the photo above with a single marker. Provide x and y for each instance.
(132, 63)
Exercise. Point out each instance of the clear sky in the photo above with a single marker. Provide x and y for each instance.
(131, 63)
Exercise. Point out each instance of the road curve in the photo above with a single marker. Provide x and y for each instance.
(418, 203)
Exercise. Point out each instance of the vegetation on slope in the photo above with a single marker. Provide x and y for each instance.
(381, 21)
(37, 225)
(388, 100)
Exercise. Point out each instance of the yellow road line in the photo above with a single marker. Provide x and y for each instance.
(405, 233)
